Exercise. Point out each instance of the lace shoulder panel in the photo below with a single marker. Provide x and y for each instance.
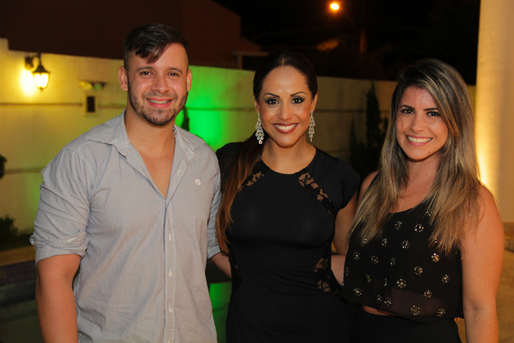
(258, 172)
(307, 181)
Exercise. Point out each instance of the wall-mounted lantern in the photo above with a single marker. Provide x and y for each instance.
(41, 75)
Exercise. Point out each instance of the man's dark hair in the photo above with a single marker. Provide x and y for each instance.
(149, 41)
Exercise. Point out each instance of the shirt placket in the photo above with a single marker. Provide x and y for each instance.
(170, 277)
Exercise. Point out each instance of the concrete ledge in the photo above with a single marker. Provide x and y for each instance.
(18, 255)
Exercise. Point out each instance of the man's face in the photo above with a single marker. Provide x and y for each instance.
(157, 91)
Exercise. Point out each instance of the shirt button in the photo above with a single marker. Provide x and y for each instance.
(170, 273)
(169, 308)
(169, 237)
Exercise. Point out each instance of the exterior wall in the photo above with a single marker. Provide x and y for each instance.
(215, 41)
(98, 28)
(35, 125)
(495, 103)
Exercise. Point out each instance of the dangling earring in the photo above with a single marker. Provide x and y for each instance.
(311, 127)
(259, 133)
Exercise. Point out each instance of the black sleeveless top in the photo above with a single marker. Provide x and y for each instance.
(283, 288)
(400, 273)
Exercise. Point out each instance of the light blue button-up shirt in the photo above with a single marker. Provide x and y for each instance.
(142, 273)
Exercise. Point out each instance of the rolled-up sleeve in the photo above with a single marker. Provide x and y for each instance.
(213, 246)
(63, 210)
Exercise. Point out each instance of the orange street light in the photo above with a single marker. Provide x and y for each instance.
(335, 6)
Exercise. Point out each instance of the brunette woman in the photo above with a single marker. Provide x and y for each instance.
(284, 203)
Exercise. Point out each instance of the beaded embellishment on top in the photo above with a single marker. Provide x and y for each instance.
(423, 282)
(388, 301)
(415, 310)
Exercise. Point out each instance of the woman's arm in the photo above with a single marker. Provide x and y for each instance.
(343, 224)
(482, 258)
(222, 262)
(365, 185)
(345, 217)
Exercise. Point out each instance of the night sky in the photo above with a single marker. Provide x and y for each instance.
(398, 32)
(304, 22)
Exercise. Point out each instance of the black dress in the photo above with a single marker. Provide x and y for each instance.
(283, 288)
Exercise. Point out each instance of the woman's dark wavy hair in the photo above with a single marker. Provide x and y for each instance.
(149, 41)
(250, 151)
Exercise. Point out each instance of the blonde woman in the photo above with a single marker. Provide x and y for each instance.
(427, 240)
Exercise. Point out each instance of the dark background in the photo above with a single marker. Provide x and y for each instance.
(398, 33)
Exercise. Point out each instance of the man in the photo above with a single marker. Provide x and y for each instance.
(121, 233)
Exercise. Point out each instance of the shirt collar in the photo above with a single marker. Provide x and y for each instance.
(111, 132)
(114, 132)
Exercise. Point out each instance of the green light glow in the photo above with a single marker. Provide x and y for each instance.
(220, 297)
(219, 105)
(180, 119)
(220, 294)
(208, 125)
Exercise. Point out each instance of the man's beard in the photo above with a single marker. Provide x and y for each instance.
(156, 117)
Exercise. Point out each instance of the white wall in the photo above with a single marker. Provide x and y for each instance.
(495, 102)
(35, 125)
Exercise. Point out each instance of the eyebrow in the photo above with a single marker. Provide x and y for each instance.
(151, 67)
(425, 109)
(278, 96)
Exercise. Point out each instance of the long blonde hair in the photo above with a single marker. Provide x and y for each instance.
(453, 198)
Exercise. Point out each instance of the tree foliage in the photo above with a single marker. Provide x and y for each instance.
(10, 238)
(365, 155)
